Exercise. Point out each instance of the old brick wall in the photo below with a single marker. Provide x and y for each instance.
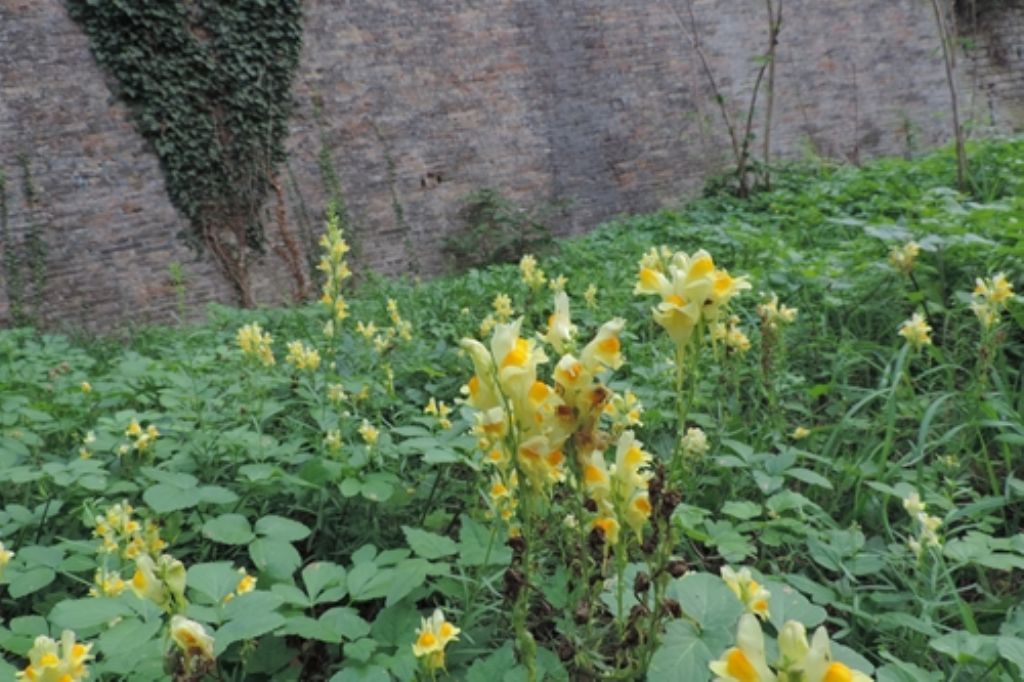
(995, 64)
(601, 104)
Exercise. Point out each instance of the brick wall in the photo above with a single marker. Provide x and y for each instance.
(601, 104)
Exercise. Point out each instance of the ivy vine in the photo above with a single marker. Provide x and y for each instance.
(208, 83)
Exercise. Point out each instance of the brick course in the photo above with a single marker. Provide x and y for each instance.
(601, 104)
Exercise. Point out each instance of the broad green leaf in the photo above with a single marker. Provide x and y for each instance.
(786, 603)
(1012, 649)
(228, 529)
(346, 622)
(30, 581)
(213, 580)
(429, 545)
(164, 498)
(275, 557)
(82, 614)
(321, 574)
(681, 657)
(246, 626)
(280, 528)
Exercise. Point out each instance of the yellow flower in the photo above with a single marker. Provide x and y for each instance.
(913, 504)
(800, 432)
(5, 557)
(50, 661)
(432, 637)
(333, 265)
(685, 285)
(902, 257)
(773, 315)
(793, 646)
(195, 643)
(302, 357)
(486, 325)
(747, 590)
(558, 283)
(503, 307)
(107, 584)
(694, 442)
(560, 327)
(134, 430)
(916, 331)
(604, 351)
(255, 343)
(532, 275)
(590, 296)
(336, 393)
(819, 666)
(161, 581)
(368, 432)
(86, 387)
(746, 661)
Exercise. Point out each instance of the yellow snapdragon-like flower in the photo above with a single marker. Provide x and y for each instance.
(605, 350)
(753, 595)
(746, 661)
(819, 666)
(502, 305)
(51, 661)
(560, 330)
(902, 257)
(774, 315)
(161, 582)
(107, 584)
(624, 410)
(432, 637)
(368, 433)
(302, 357)
(694, 442)
(5, 558)
(195, 645)
(333, 266)
(800, 432)
(256, 344)
(989, 298)
(86, 387)
(533, 276)
(590, 296)
(441, 410)
(916, 331)
(557, 284)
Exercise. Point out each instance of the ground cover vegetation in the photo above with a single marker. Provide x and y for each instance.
(779, 438)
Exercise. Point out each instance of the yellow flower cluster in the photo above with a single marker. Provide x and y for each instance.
(624, 410)
(532, 275)
(557, 284)
(691, 288)
(368, 433)
(335, 269)
(798, 660)
(51, 661)
(302, 357)
(524, 423)
(694, 442)
(432, 637)
(990, 296)
(773, 315)
(256, 344)
(195, 645)
(750, 592)
(86, 387)
(730, 333)
(902, 257)
(122, 534)
(916, 331)
(384, 339)
(439, 409)
(141, 439)
(928, 535)
(590, 296)
(502, 305)
(620, 491)
(107, 583)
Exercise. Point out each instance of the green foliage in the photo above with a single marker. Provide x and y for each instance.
(352, 546)
(495, 230)
(208, 84)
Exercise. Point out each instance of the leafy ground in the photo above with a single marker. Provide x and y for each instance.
(358, 513)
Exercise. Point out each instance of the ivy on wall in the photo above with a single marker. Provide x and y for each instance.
(208, 83)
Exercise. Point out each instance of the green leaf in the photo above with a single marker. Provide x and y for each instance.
(810, 477)
(360, 650)
(481, 545)
(247, 626)
(370, 673)
(164, 498)
(30, 581)
(1012, 649)
(346, 622)
(743, 511)
(82, 614)
(275, 557)
(228, 529)
(280, 528)
(322, 574)
(785, 603)
(708, 600)
(214, 580)
(429, 545)
(681, 657)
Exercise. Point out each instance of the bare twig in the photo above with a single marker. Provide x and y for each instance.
(948, 58)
